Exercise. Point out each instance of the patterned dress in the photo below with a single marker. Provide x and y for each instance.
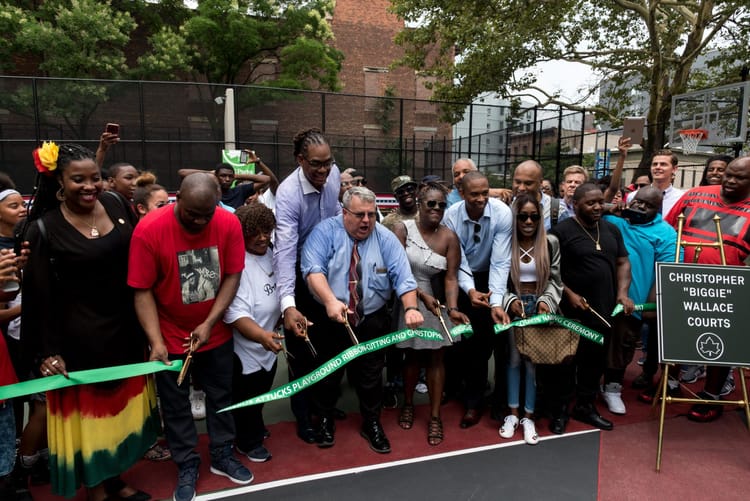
(425, 263)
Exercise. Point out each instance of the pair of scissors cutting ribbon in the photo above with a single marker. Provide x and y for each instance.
(596, 314)
(194, 341)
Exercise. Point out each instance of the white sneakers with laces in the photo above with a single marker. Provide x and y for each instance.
(197, 404)
(509, 426)
(612, 394)
(529, 431)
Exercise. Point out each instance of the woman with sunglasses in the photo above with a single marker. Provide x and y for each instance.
(534, 286)
(433, 251)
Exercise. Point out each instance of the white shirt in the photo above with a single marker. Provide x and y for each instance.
(257, 299)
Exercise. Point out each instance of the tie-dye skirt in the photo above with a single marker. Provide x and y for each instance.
(98, 431)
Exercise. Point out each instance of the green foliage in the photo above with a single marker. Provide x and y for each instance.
(475, 46)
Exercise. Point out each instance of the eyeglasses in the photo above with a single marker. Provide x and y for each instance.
(434, 204)
(477, 229)
(406, 190)
(317, 164)
(521, 217)
(642, 185)
(361, 215)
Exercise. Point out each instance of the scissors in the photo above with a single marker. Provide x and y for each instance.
(287, 355)
(349, 329)
(194, 341)
(309, 344)
(442, 320)
(597, 315)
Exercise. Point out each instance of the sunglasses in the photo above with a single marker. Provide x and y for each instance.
(406, 190)
(642, 185)
(477, 229)
(434, 204)
(521, 217)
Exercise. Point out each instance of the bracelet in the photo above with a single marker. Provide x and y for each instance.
(408, 308)
(452, 308)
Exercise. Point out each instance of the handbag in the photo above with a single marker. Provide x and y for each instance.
(546, 344)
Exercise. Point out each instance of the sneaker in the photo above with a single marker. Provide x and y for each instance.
(729, 385)
(529, 431)
(509, 426)
(229, 467)
(187, 476)
(198, 404)
(421, 388)
(258, 455)
(612, 394)
(692, 373)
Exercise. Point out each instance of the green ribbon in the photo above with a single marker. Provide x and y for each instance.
(59, 381)
(546, 318)
(638, 307)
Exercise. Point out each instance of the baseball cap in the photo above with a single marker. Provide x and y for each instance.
(401, 181)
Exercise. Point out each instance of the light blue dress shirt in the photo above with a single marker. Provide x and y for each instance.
(385, 267)
(299, 207)
(491, 252)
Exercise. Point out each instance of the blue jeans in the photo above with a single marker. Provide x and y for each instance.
(7, 438)
(514, 365)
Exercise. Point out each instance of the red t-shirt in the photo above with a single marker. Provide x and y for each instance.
(7, 374)
(185, 271)
(700, 205)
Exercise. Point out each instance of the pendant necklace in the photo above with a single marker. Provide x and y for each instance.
(93, 230)
(598, 247)
(268, 273)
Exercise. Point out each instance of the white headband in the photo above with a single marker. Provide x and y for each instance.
(6, 193)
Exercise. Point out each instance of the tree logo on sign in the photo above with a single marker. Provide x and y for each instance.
(709, 346)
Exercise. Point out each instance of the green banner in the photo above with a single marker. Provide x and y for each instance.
(638, 307)
(59, 381)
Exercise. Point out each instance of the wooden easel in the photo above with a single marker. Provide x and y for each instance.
(663, 384)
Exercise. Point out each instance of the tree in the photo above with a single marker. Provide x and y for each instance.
(475, 46)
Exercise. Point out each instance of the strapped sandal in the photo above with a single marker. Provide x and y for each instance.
(435, 431)
(406, 418)
(158, 452)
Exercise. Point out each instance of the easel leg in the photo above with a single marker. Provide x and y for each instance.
(745, 404)
(663, 393)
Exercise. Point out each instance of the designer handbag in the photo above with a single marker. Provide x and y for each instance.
(546, 344)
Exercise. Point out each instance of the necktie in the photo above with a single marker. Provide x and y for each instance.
(355, 288)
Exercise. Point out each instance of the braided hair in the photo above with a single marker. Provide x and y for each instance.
(43, 198)
(303, 139)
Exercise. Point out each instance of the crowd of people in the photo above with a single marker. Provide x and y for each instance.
(242, 268)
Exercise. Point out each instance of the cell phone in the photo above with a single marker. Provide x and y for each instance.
(113, 129)
(244, 155)
(632, 127)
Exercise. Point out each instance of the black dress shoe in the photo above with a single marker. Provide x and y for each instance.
(306, 432)
(374, 434)
(558, 424)
(326, 431)
(471, 417)
(589, 415)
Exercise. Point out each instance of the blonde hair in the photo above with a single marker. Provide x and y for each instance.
(541, 253)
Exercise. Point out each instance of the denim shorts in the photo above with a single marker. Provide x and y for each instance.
(7, 438)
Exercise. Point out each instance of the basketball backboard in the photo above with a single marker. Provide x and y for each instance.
(722, 111)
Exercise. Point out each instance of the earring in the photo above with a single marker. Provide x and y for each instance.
(60, 195)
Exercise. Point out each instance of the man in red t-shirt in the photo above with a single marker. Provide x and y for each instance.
(185, 264)
(731, 202)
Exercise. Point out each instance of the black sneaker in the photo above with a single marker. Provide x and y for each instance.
(187, 476)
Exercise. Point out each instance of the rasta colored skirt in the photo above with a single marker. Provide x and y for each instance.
(98, 431)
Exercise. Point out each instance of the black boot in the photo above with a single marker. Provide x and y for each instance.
(559, 419)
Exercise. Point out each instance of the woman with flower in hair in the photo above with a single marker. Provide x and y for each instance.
(77, 313)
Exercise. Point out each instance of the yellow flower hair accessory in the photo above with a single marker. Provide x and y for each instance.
(45, 158)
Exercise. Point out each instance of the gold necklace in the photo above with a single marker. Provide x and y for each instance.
(94, 231)
(598, 247)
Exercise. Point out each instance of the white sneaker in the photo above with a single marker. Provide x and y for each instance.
(421, 388)
(198, 404)
(612, 394)
(509, 426)
(529, 431)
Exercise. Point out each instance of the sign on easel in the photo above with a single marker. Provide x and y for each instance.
(703, 314)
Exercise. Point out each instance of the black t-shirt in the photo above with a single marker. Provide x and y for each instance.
(589, 272)
(235, 197)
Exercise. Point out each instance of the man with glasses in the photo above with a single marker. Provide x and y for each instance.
(352, 266)
(405, 190)
(483, 226)
(306, 197)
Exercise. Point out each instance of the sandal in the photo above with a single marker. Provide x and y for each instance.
(158, 452)
(406, 418)
(435, 431)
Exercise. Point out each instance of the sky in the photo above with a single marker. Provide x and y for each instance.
(567, 77)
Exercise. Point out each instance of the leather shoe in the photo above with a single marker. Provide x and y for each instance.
(471, 417)
(589, 415)
(306, 433)
(326, 431)
(705, 413)
(374, 434)
(558, 424)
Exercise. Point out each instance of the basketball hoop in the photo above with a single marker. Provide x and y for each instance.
(691, 138)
